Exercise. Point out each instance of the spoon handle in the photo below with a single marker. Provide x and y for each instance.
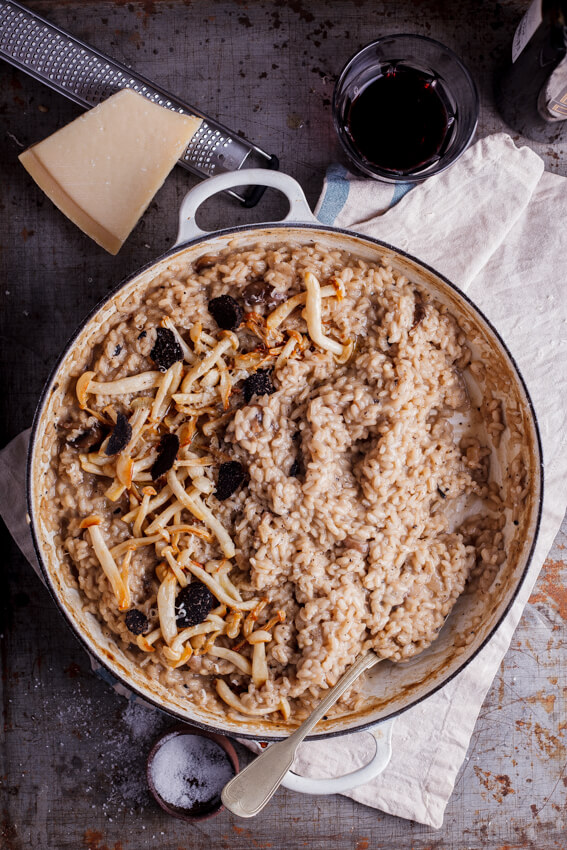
(252, 788)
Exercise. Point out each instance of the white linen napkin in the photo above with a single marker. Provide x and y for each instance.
(494, 224)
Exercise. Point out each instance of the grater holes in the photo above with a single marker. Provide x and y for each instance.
(201, 152)
(19, 34)
(31, 48)
(103, 84)
(14, 20)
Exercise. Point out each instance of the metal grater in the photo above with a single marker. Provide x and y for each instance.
(86, 76)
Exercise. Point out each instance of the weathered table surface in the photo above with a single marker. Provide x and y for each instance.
(72, 756)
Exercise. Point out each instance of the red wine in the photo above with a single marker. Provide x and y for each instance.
(399, 121)
(531, 88)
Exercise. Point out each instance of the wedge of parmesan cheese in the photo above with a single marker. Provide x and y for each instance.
(103, 169)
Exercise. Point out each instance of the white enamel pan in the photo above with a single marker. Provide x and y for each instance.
(390, 688)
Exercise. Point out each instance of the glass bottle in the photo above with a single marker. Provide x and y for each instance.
(531, 88)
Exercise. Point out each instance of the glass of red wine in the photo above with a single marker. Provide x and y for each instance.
(405, 108)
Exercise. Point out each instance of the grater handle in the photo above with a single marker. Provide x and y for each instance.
(86, 76)
(299, 210)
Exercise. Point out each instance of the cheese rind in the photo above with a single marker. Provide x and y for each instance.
(65, 203)
(103, 169)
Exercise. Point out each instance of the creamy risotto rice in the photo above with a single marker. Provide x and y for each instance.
(265, 468)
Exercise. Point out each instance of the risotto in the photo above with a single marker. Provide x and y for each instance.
(269, 464)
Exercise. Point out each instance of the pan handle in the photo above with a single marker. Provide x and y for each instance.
(299, 210)
(382, 734)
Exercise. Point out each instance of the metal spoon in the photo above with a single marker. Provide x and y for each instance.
(253, 787)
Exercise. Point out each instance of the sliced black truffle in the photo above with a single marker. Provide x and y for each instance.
(168, 448)
(259, 383)
(194, 602)
(295, 468)
(226, 312)
(166, 350)
(231, 475)
(137, 622)
(120, 436)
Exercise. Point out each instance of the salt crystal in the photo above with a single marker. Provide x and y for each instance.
(141, 722)
(190, 771)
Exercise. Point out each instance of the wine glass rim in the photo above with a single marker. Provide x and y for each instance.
(408, 35)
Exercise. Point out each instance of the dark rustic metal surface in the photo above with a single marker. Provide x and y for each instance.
(72, 752)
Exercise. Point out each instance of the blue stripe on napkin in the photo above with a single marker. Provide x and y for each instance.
(400, 189)
(336, 193)
(337, 188)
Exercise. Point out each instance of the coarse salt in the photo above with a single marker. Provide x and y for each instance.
(190, 771)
